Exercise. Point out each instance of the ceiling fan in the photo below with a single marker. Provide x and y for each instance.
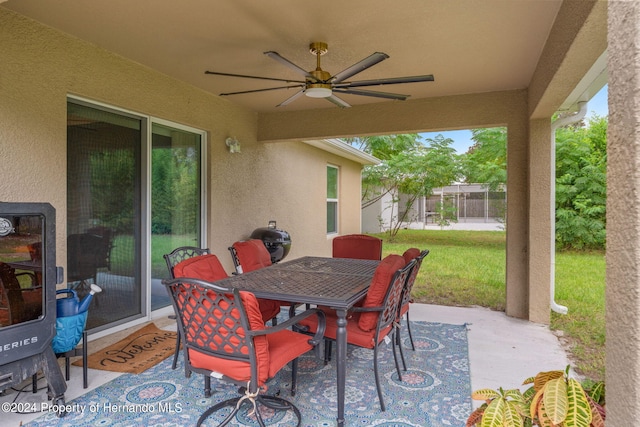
(321, 84)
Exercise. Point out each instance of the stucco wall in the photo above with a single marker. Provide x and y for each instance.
(623, 216)
(540, 238)
(39, 67)
(376, 217)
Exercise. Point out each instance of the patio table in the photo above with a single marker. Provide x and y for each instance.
(334, 282)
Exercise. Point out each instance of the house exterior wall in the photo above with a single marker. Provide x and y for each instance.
(376, 217)
(623, 216)
(284, 181)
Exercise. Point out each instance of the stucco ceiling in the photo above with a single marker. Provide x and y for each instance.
(470, 46)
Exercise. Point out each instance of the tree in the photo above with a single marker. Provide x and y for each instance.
(581, 161)
(581, 185)
(486, 160)
(409, 168)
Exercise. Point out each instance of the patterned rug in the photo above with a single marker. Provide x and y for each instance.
(435, 392)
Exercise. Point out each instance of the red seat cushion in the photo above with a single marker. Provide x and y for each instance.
(378, 289)
(252, 255)
(208, 267)
(410, 254)
(355, 335)
(358, 246)
(273, 351)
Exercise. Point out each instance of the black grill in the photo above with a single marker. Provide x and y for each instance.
(278, 242)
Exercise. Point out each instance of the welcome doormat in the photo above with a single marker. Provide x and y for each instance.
(136, 353)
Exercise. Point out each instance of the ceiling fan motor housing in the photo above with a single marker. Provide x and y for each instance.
(318, 48)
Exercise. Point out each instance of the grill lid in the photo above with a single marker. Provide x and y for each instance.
(272, 235)
(277, 242)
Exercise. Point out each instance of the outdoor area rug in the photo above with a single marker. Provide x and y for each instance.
(435, 391)
(136, 353)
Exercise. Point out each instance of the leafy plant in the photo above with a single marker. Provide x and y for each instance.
(581, 185)
(501, 409)
(553, 400)
(446, 214)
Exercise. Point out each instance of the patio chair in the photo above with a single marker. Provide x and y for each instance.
(250, 255)
(409, 255)
(85, 254)
(369, 324)
(207, 267)
(226, 337)
(107, 235)
(20, 304)
(358, 246)
(172, 259)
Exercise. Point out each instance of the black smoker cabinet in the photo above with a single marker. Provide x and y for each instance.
(28, 279)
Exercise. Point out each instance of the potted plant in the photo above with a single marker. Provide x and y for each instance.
(552, 400)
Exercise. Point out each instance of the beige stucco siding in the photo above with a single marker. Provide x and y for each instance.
(286, 182)
(40, 67)
(623, 217)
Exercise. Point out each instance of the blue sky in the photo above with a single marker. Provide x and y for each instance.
(462, 138)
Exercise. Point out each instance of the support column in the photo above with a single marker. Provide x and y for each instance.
(623, 215)
(518, 253)
(541, 185)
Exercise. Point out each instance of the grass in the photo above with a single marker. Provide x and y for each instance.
(467, 268)
(580, 286)
(122, 253)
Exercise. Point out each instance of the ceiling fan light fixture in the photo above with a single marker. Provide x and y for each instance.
(318, 92)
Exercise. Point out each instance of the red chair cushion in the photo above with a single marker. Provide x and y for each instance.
(252, 255)
(217, 322)
(355, 335)
(410, 254)
(273, 351)
(206, 267)
(269, 308)
(378, 289)
(358, 246)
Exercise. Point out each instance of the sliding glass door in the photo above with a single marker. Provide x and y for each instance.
(134, 193)
(175, 199)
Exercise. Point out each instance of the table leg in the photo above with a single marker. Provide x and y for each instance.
(341, 360)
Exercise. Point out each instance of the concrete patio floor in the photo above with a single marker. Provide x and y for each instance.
(503, 351)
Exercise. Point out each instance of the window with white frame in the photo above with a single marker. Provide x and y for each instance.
(332, 199)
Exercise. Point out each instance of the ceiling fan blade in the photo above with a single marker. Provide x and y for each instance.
(372, 93)
(339, 102)
(284, 61)
(261, 90)
(291, 98)
(369, 61)
(253, 77)
(391, 81)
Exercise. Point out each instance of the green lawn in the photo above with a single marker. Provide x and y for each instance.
(467, 268)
